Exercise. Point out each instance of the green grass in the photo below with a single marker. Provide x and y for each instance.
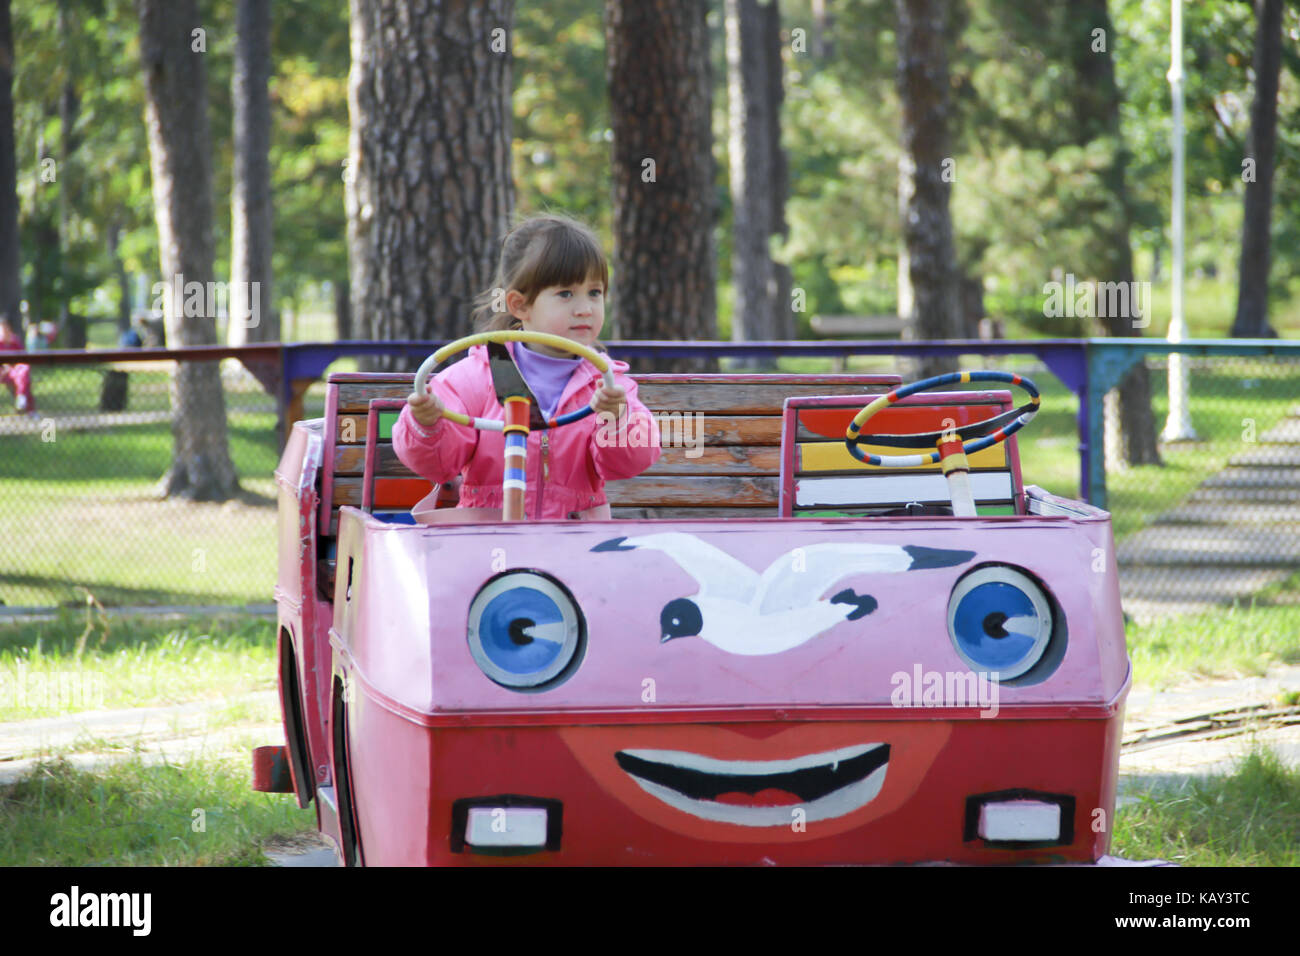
(89, 497)
(1236, 641)
(120, 662)
(134, 814)
(1230, 400)
(1248, 818)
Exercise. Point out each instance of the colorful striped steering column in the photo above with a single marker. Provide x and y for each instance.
(516, 408)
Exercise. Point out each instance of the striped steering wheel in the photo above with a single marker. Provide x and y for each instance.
(516, 407)
(512, 335)
(970, 438)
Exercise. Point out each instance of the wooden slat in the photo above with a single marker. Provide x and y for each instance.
(351, 460)
(730, 460)
(738, 396)
(744, 398)
(718, 429)
(354, 397)
(742, 430)
(707, 491)
(693, 514)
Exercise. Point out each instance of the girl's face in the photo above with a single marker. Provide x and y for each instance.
(576, 312)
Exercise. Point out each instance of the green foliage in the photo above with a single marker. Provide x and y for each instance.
(1031, 197)
(562, 130)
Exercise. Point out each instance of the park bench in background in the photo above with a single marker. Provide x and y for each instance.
(855, 327)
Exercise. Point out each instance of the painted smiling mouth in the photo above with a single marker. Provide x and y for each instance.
(761, 792)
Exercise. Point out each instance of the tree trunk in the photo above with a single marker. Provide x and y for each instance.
(664, 206)
(123, 280)
(761, 286)
(823, 43)
(926, 173)
(343, 310)
(1252, 284)
(1130, 425)
(11, 289)
(73, 328)
(252, 318)
(180, 150)
(430, 193)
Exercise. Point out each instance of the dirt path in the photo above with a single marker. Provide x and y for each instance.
(174, 733)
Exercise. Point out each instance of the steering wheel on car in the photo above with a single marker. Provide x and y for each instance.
(952, 444)
(515, 424)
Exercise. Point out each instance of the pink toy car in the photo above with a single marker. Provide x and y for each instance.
(777, 651)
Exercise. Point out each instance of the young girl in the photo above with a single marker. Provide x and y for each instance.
(554, 278)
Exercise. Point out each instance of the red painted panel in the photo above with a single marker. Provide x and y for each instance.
(400, 492)
(896, 420)
(408, 778)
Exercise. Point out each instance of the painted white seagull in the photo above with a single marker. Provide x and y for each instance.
(742, 612)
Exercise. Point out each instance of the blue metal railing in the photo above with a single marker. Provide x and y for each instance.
(1088, 367)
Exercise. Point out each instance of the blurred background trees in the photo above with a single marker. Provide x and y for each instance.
(1038, 151)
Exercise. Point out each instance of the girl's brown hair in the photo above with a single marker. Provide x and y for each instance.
(540, 252)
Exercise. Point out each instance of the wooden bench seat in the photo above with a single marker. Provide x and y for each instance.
(736, 474)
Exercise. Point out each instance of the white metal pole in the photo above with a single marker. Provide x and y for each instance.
(1178, 427)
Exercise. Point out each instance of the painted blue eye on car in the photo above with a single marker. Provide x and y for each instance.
(525, 631)
(1000, 621)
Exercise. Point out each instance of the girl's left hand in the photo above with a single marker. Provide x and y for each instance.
(609, 401)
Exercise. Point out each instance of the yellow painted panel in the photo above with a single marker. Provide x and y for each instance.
(834, 456)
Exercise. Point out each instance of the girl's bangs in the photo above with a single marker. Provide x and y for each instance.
(565, 257)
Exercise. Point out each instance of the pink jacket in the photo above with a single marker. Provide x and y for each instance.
(567, 466)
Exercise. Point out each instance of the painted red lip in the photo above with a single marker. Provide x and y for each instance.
(911, 746)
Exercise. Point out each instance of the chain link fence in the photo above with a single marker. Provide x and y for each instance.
(79, 516)
(1217, 521)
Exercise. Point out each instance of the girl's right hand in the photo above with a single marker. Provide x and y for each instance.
(425, 409)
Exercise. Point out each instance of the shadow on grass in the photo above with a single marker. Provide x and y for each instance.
(110, 595)
(201, 813)
(106, 635)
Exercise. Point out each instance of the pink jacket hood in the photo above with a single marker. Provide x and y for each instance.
(567, 466)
